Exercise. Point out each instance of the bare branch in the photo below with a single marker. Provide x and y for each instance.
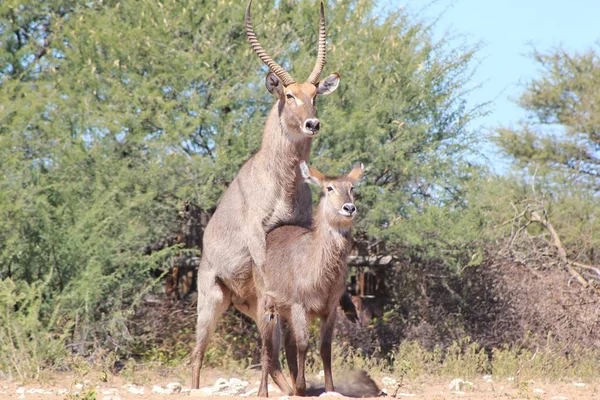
(557, 243)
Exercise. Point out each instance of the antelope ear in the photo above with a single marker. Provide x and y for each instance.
(310, 174)
(329, 84)
(273, 84)
(356, 173)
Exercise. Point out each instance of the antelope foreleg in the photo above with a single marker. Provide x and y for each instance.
(327, 325)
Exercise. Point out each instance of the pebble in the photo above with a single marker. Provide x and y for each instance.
(579, 384)
(251, 392)
(202, 392)
(458, 384)
(110, 391)
(174, 386)
(406, 395)
(330, 394)
(537, 390)
(160, 390)
(135, 389)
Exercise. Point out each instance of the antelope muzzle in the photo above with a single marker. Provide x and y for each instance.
(311, 126)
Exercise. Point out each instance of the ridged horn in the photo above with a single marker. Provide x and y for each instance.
(277, 69)
(322, 51)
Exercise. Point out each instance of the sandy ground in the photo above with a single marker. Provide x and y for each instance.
(121, 388)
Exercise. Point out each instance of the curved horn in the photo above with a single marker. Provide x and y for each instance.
(277, 69)
(321, 53)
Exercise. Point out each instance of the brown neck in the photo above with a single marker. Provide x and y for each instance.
(331, 242)
(281, 151)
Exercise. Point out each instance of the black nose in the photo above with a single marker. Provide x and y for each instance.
(349, 208)
(312, 125)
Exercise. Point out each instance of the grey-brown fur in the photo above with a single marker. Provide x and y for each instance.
(268, 191)
(355, 383)
(304, 277)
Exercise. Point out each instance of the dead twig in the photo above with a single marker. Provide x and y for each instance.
(557, 243)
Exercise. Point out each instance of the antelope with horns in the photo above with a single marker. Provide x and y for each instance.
(268, 191)
(304, 276)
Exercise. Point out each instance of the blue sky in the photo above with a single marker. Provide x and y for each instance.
(508, 31)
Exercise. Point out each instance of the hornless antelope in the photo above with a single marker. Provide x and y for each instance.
(305, 275)
(268, 191)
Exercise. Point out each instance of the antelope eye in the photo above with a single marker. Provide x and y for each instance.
(330, 188)
(289, 96)
(351, 189)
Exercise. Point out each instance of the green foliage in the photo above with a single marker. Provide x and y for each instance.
(31, 341)
(557, 148)
(562, 133)
(114, 113)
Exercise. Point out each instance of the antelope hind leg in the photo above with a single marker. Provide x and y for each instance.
(275, 368)
(213, 300)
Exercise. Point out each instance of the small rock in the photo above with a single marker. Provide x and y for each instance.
(330, 394)
(459, 392)
(321, 374)
(78, 386)
(537, 390)
(406, 395)
(186, 390)
(20, 390)
(174, 386)
(111, 391)
(61, 391)
(579, 384)
(456, 384)
(221, 383)
(202, 392)
(487, 378)
(558, 398)
(251, 392)
(510, 379)
(135, 389)
(284, 398)
(160, 390)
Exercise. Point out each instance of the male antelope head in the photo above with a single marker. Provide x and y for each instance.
(337, 201)
(297, 110)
